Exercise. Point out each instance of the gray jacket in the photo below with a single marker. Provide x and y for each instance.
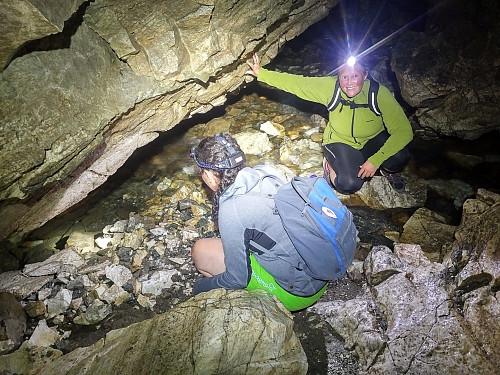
(247, 224)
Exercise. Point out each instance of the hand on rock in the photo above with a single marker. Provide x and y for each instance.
(254, 65)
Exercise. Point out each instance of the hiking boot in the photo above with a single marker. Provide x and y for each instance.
(326, 172)
(395, 180)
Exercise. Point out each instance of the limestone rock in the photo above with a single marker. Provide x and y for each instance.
(66, 259)
(221, 331)
(378, 194)
(255, 143)
(118, 274)
(35, 308)
(434, 70)
(27, 358)
(43, 336)
(478, 238)
(304, 153)
(114, 295)
(60, 303)
(272, 129)
(475, 267)
(12, 322)
(159, 280)
(22, 286)
(406, 321)
(96, 312)
(24, 21)
(430, 231)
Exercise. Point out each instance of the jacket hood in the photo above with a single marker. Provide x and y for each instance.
(247, 179)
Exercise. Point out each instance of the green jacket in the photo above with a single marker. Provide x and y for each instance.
(341, 127)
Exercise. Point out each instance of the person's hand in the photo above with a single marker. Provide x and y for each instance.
(254, 65)
(367, 170)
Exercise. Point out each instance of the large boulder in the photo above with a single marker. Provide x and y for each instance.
(430, 231)
(232, 332)
(474, 268)
(74, 105)
(437, 69)
(406, 322)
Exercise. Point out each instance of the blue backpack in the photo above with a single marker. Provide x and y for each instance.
(319, 225)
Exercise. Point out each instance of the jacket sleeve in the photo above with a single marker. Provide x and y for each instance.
(397, 125)
(236, 257)
(315, 89)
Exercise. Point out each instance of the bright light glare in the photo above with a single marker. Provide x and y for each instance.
(351, 61)
(375, 46)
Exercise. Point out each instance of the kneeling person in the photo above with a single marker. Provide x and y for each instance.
(254, 250)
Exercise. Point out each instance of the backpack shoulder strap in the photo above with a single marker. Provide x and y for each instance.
(335, 98)
(278, 182)
(372, 97)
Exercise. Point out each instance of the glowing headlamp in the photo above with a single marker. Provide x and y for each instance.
(351, 61)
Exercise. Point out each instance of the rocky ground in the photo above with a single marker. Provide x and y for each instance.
(126, 270)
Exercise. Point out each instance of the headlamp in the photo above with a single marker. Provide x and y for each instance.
(351, 61)
(235, 158)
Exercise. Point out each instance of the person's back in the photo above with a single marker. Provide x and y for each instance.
(254, 251)
(247, 217)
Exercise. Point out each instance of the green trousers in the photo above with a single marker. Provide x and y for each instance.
(261, 279)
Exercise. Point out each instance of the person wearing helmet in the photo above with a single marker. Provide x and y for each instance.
(254, 250)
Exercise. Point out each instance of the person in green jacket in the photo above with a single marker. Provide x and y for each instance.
(356, 142)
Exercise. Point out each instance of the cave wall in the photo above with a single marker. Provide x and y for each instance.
(86, 83)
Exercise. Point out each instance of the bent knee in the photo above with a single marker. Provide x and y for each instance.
(348, 186)
(208, 256)
(198, 249)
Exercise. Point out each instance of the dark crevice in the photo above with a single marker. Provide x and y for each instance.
(476, 282)
(57, 41)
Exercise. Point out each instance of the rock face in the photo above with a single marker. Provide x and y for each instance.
(233, 332)
(75, 104)
(27, 20)
(436, 69)
(422, 317)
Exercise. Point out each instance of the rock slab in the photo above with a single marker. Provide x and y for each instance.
(218, 332)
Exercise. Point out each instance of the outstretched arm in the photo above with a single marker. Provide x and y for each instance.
(315, 89)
